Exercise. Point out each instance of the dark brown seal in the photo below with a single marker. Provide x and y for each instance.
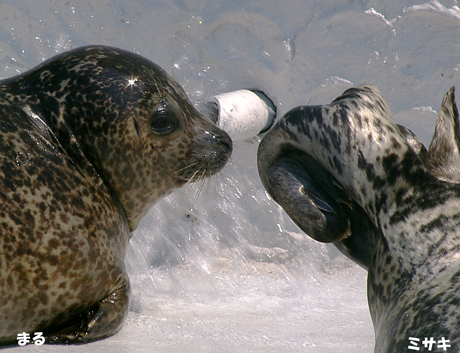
(89, 141)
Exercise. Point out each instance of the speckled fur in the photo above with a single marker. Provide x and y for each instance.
(410, 198)
(80, 165)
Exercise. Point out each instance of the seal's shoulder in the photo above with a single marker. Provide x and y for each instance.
(34, 169)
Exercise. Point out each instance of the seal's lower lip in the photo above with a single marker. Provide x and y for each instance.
(204, 166)
(310, 196)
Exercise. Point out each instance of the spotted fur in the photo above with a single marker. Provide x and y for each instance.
(89, 141)
(346, 173)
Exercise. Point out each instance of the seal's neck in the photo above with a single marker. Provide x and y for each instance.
(48, 120)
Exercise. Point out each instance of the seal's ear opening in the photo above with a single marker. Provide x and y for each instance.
(443, 156)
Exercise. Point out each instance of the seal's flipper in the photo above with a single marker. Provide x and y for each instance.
(99, 321)
(112, 310)
(310, 197)
(443, 156)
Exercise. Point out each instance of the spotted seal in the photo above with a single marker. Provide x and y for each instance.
(346, 173)
(89, 141)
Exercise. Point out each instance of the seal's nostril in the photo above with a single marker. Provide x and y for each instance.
(225, 140)
(219, 138)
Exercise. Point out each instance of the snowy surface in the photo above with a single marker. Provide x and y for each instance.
(219, 267)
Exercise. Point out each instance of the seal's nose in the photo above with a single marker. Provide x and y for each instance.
(222, 138)
(221, 144)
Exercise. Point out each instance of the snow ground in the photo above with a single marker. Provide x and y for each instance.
(227, 271)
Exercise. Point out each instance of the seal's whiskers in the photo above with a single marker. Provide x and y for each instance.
(185, 193)
(190, 166)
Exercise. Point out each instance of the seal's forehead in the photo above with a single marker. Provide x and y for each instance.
(118, 65)
(104, 72)
(124, 62)
(137, 70)
(99, 59)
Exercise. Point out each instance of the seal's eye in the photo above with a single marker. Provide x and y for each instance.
(163, 121)
(162, 125)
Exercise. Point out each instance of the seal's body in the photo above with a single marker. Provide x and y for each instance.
(89, 141)
(346, 173)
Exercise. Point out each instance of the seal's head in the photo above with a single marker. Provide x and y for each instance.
(320, 204)
(120, 116)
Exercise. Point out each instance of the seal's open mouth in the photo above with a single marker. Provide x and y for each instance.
(310, 196)
(316, 202)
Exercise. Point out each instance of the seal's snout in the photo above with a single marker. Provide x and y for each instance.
(215, 149)
(220, 139)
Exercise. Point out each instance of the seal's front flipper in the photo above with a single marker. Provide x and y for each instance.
(444, 152)
(101, 320)
(310, 197)
(112, 311)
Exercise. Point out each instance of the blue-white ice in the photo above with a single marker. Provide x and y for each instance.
(228, 271)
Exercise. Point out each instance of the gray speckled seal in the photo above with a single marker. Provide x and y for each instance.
(346, 173)
(89, 141)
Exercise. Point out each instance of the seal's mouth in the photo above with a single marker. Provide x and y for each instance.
(209, 155)
(317, 203)
(310, 195)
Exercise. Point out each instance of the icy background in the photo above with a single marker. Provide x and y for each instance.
(219, 267)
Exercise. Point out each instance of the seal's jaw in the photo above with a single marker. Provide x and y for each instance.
(310, 196)
(307, 192)
(314, 199)
(209, 152)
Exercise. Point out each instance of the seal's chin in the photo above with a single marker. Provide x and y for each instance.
(310, 196)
